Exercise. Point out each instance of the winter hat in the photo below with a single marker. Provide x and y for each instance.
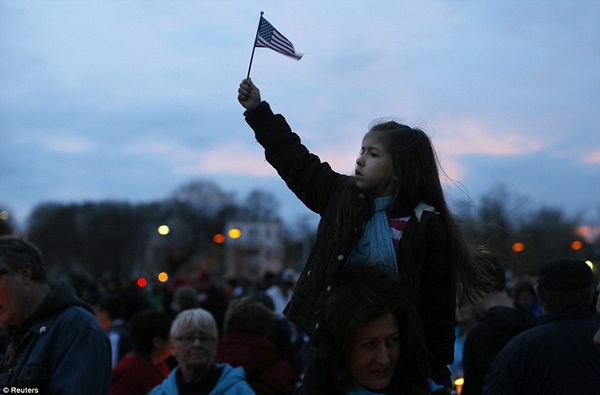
(565, 275)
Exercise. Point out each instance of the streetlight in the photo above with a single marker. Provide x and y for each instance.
(234, 233)
(518, 247)
(163, 230)
(163, 277)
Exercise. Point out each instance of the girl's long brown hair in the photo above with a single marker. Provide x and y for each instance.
(415, 164)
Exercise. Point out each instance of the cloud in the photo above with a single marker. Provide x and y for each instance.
(592, 157)
(68, 145)
(143, 94)
(231, 159)
(471, 137)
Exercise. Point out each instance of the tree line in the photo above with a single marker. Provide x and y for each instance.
(120, 239)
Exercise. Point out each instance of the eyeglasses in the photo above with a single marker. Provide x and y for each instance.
(188, 340)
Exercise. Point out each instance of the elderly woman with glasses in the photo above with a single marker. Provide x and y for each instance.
(194, 340)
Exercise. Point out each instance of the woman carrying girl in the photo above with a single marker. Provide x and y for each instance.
(390, 216)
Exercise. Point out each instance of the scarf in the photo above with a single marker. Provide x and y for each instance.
(375, 247)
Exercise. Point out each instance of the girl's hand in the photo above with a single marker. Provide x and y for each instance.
(248, 94)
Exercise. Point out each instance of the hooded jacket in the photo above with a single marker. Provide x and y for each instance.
(422, 254)
(231, 382)
(60, 349)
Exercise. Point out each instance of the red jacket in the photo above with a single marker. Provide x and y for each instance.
(265, 371)
(134, 375)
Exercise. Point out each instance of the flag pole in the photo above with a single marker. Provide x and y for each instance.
(254, 46)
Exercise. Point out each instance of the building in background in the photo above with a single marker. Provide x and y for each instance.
(254, 248)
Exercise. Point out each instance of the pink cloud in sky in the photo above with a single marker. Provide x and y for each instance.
(471, 137)
(592, 157)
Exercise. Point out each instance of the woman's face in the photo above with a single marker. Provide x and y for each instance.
(194, 349)
(373, 168)
(374, 353)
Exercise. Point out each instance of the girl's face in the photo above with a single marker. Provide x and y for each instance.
(373, 169)
(374, 353)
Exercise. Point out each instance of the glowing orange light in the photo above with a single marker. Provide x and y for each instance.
(219, 238)
(576, 245)
(518, 247)
(163, 277)
(141, 282)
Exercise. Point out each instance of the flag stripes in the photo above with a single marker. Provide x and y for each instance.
(269, 37)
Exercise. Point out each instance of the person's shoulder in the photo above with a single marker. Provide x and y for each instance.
(130, 362)
(521, 341)
(431, 227)
(71, 318)
(168, 386)
(233, 379)
(82, 314)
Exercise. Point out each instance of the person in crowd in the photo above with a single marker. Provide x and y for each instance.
(144, 367)
(245, 343)
(234, 287)
(597, 335)
(211, 297)
(596, 338)
(194, 339)
(280, 333)
(55, 345)
(596, 304)
(391, 215)
(184, 298)
(168, 293)
(500, 320)
(557, 355)
(370, 343)
(524, 296)
(110, 312)
(465, 320)
(281, 291)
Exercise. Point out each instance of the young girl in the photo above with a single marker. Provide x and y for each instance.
(391, 216)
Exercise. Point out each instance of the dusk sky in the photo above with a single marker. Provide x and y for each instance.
(129, 100)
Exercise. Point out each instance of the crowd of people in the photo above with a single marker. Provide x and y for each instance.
(55, 336)
(388, 285)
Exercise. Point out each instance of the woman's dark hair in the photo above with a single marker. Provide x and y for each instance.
(147, 325)
(362, 296)
(415, 165)
(246, 314)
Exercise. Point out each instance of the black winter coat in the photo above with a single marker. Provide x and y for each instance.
(422, 254)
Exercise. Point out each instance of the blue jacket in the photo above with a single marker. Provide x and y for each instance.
(231, 382)
(60, 349)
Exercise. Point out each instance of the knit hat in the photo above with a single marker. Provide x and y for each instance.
(565, 275)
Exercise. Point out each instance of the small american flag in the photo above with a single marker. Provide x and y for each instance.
(269, 37)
